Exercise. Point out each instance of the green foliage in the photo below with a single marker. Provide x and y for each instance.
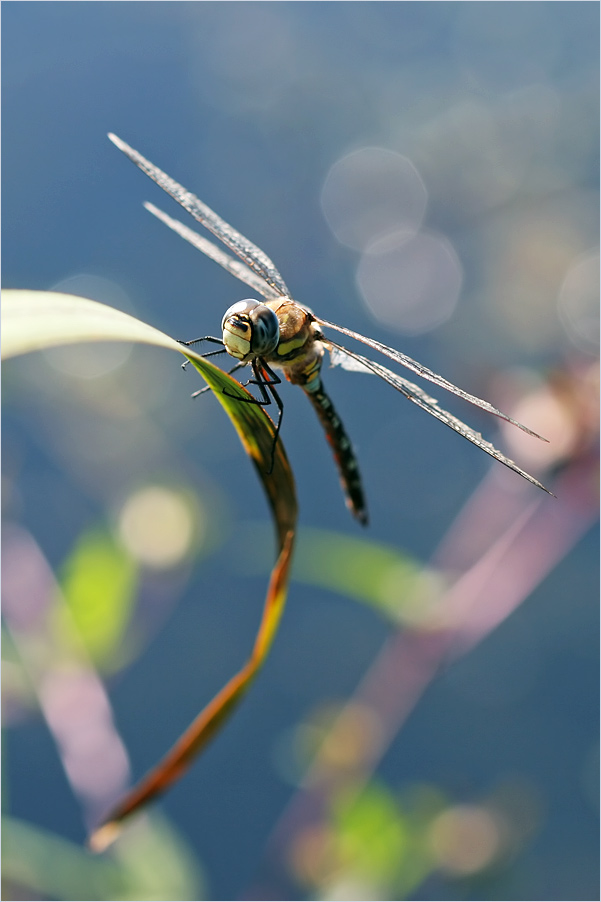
(99, 580)
(371, 834)
(98, 585)
(379, 845)
(34, 320)
(152, 863)
(393, 582)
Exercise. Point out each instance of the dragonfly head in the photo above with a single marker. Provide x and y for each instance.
(250, 329)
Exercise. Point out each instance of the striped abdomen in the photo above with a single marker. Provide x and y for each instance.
(344, 455)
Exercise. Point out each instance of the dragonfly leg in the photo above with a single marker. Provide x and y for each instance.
(196, 341)
(265, 379)
(269, 383)
(236, 366)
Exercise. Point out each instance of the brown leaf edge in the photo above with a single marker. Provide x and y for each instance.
(34, 320)
(177, 761)
(249, 421)
(279, 487)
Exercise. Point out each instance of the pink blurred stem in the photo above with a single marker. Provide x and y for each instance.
(530, 542)
(72, 697)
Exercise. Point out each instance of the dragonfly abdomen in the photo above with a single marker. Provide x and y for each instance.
(348, 468)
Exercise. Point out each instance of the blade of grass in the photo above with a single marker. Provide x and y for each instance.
(256, 432)
(35, 320)
(201, 731)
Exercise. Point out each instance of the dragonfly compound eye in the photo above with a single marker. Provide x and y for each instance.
(237, 328)
(266, 330)
(250, 329)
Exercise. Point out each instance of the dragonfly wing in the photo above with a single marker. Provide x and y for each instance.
(254, 257)
(349, 360)
(423, 371)
(340, 357)
(216, 253)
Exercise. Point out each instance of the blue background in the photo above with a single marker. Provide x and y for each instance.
(249, 105)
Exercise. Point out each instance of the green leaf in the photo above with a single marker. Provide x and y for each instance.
(98, 586)
(211, 718)
(39, 861)
(383, 841)
(153, 863)
(371, 832)
(394, 583)
(36, 320)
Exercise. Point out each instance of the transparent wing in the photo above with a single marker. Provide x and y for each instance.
(340, 357)
(216, 253)
(420, 370)
(356, 362)
(254, 257)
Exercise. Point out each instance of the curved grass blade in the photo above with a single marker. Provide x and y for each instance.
(208, 722)
(35, 320)
(256, 432)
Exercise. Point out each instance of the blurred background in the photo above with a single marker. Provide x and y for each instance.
(423, 173)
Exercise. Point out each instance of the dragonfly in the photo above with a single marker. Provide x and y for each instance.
(278, 333)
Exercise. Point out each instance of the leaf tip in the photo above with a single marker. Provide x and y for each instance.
(104, 836)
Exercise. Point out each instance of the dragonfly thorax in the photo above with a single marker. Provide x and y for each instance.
(250, 329)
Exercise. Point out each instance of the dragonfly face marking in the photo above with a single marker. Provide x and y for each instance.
(250, 329)
(297, 345)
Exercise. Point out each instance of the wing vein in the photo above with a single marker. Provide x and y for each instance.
(256, 259)
(425, 373)
(217, 254)
(415, 394)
